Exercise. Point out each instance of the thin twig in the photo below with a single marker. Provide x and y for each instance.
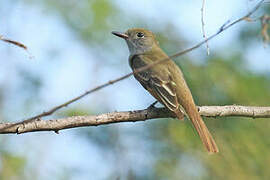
(203, 27)
(129, 116)
(18, 44)
(223, 28)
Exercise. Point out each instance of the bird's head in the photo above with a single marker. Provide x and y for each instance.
(139, 40)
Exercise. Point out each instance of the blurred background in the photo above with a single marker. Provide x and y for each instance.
(74, 50)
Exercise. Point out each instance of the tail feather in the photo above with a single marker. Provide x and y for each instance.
(201, 128)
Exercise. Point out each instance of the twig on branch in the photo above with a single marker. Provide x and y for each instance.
(16, 43)
(203, 26)
(129, 116)
(222, 28)
(265, 19)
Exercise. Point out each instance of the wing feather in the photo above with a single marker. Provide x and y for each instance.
(166, 92)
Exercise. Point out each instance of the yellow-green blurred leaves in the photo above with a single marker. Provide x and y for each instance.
(11, 166)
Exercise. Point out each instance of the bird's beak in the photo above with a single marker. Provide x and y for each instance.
(119, 34)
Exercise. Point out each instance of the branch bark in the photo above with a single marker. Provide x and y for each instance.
(129, 116)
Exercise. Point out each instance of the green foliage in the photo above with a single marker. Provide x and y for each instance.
(12, 167)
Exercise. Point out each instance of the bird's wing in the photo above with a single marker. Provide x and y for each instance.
(159, 84)
(165, 90)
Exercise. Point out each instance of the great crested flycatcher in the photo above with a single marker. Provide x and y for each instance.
(165, 80)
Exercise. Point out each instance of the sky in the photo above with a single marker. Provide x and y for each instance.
(57, 53)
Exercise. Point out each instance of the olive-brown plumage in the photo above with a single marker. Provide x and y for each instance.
(165, 80)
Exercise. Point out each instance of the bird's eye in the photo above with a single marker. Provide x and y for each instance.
(140, 34)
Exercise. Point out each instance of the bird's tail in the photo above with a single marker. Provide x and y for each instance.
(201, 128)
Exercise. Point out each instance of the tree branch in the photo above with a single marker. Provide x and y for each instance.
(203, 26)
(128, 116)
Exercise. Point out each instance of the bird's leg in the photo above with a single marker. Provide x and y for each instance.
(152, 105)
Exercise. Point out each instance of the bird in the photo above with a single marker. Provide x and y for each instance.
(164, 81)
